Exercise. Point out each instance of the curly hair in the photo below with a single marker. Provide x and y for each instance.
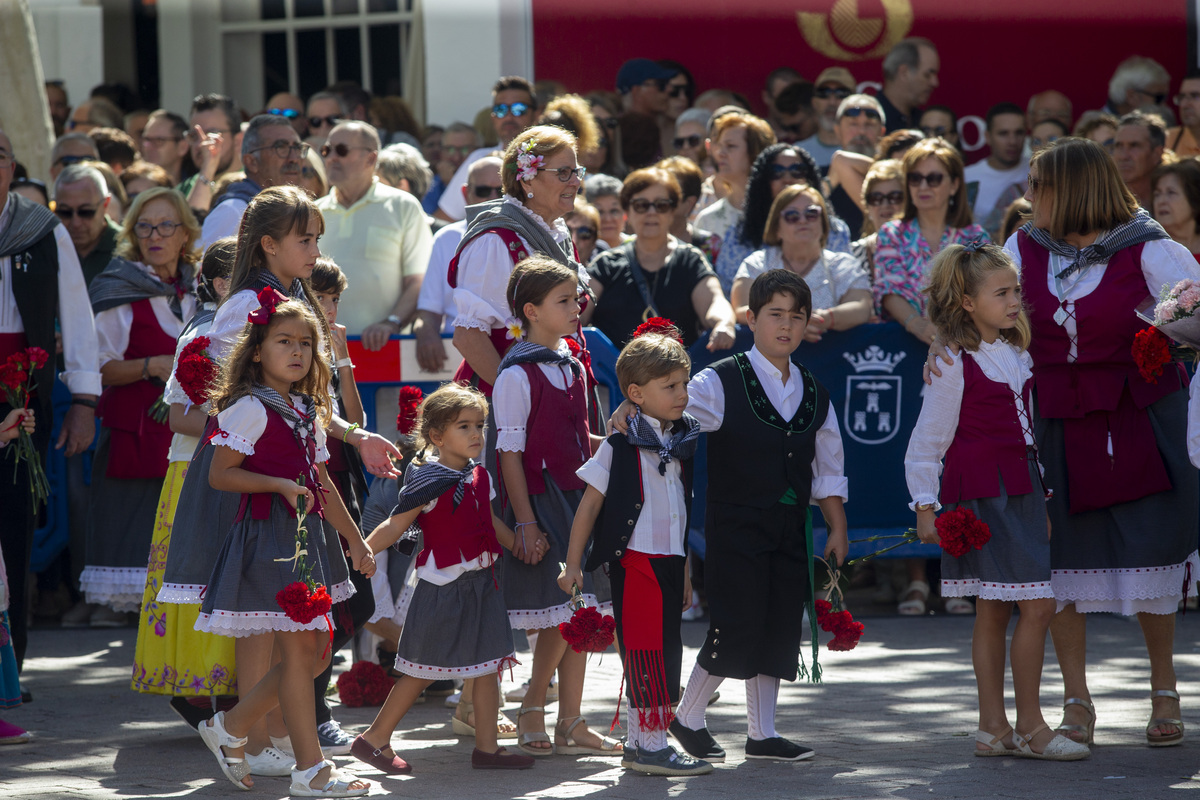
(127, 242)
(440, 409)
(547, 141)
(758, 189)
(958, 272)
(572, 113)
(240, 372)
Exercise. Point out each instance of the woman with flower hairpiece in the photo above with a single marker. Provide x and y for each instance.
(1114, 447)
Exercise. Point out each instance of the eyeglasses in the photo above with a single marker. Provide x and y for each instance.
(826, 92)
(165, 229)
(502, 110)
(583, 233)
(858, 111)
(65, 212)
(1159, 97)
(1034, 183)
(331, 120)
(811, 214)
(1187, 97)
(159, 141)
(643, 206)
(286, 113)
(287, 149)
(564, 173)
(67, 161)
(1109, 144)
(932, 180)
(487, 192)
(463, 151)
(879, 198)
(934, 130)
(796, 171)
(678, 91)
(341, 149)
(681, 142)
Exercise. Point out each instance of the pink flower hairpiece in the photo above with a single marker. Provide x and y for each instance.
(268, 299)
(528, 162)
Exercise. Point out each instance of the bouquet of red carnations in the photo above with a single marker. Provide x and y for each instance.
(588, 631)
(305, 599)
(16, 379)
(197, 371)
(1175, 335)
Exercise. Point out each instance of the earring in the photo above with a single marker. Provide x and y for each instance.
(529, 195)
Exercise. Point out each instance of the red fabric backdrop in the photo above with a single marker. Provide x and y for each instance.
(996, 51)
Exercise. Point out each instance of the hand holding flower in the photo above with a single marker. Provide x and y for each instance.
(17, 421)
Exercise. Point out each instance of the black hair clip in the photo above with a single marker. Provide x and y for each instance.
(975, 245)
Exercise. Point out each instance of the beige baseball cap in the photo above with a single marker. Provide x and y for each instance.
(838, 75)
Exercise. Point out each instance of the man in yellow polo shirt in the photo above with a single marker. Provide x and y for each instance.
(378, 235)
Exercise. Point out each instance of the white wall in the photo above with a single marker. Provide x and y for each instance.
(71, 42)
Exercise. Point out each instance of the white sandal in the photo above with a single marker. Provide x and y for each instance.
(915, 607)
(1060, 747)
(337, 786)
(995, 744)
(214, 736)
(570, 747)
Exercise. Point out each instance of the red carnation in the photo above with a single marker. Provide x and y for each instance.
(364, 684)
(659, 325)
(302, 604)
(12, 377)
(1151, 352)
(588, 631)
(37, 357)
(410, 402)
(960, 531)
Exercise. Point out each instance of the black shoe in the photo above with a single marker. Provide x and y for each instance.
(666, 762)
(777, 749)
(26, 696)
(192, 715)
(699, 743)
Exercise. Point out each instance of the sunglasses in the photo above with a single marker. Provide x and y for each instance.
(608, 122)
(583, 233)
(487, 192)
(331, 120)
(827, 92)
(286, 113)
(934, 130)
(1034, 141)
(932, 180)
(796, 171)
(678, 91)
(681, 142)
(857, 111)
(811, 214)
(83, 213)
(879, 198)
(67, 161)
(1159, 97)
(1034, 183)
(501, 110)
(341, 149)
(564, 173)
(642, 206)
(165, 229)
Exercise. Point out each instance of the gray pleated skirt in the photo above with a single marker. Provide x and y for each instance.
(203, 517)
(459, 630)
(255, 563)
(1015, 563)
(120, 528)
(1132, 557)
(531, 592)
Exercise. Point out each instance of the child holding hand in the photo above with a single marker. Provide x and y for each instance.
(977, 417)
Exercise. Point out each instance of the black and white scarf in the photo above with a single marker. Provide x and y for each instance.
(1142, 228)
(685, 435)
(27, 224)
(508, 215)
(303, 424)
(424, 483)
(267, 278)
(122, 282)
(530, 353)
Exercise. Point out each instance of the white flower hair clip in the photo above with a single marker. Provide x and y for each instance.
(516, 330)
(528, 162)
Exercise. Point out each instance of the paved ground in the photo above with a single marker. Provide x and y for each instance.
(893, 720)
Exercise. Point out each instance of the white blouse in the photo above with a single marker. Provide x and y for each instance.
(243, 423)
(830, 278)
(512, 403)
(706, 402)
(660, 525)
(934, 432)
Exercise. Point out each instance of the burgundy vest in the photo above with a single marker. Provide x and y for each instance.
(1111, 450)
(562, 440)
(279, 455)
(989, 443)
(458, 535)
(138, 445)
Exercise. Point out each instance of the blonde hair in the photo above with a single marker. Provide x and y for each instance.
(547, 141)
(649, 357)
(1094, 197)
(127, 241)
(959, 213)
(240, 372)
(785, 199)
(533, 279)
(759, 135)
(574, 114)
(440, 409)
(887, 169)
(958, 272)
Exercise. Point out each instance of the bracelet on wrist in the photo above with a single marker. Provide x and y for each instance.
(343, 362)
(925, 506)
(83, 401)
(523, 524)
(146, 368)
(909, 319)
(353, 426)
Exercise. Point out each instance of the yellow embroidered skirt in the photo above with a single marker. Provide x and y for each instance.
(172, 657)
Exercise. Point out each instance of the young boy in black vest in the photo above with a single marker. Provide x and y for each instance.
(634, 513)
(773, 447)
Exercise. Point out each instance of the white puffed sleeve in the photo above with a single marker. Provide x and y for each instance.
(241, 425)
(829, 461)
(112, 332)
(512, 404)
(706, 400)
(596, 470)
(932, 435)
(480, 297)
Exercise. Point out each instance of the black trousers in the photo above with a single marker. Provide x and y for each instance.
(756, 578)
(631, 603)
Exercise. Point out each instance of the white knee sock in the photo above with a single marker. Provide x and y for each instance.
(633, 733)
(650, 741)
(761, 693)
(692, 705)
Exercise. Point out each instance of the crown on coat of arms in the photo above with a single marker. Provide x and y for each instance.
(874, 359)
